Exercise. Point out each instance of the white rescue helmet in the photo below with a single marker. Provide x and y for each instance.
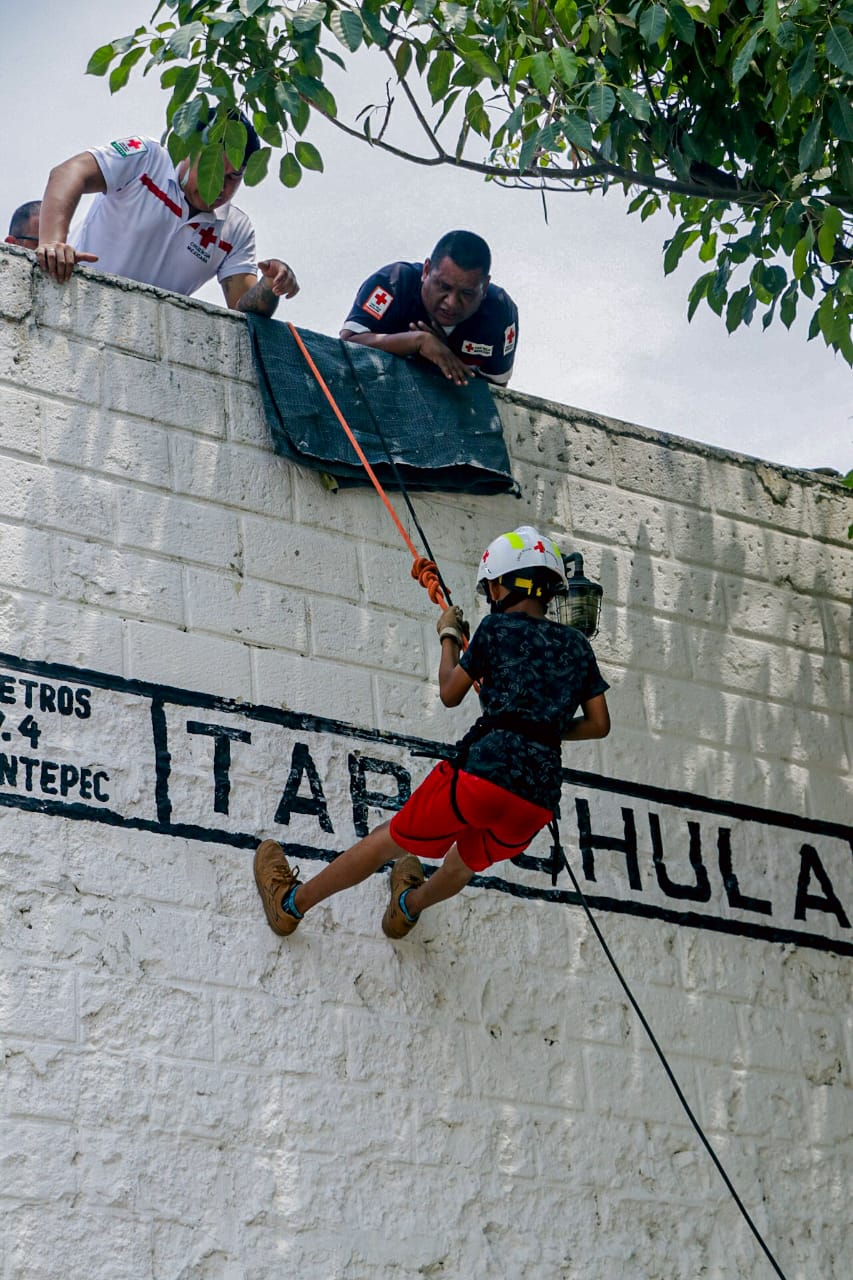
(525, 548)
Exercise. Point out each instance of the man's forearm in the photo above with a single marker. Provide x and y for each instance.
(61, 197)
(259, 299)
(66, 183)
(398, 344)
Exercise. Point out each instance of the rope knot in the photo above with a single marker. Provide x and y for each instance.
(426, 573)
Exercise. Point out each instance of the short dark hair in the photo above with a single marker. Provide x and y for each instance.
(21, 216)
(468, 250)
(253, 142)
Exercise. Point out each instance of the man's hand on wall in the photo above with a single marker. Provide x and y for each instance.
(59, 259)
(435, 349)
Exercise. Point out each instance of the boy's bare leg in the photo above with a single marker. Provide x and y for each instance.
(349, 868)
(449, 879)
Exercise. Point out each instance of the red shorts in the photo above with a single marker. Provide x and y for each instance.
(491, 824)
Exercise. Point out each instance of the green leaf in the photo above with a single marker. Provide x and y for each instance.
(349, 29)
(709, 249)
(287, 99)
(601, 100)
(810, 145)
(736, 308)
(256, 167)
(225, 25)
(788, 306)
(542, 72)
(403, 59)
(772, 20)
(235, 142)
(308, 16)
(802, 69)
(528, 150)
(676, 246)
(634, 103)
(177, 148)
(774, 280)
(577, 130)
(482, 63)
(514, 119)
(289, 170)
(100, 60)
(122, 45)
(697, 293)
(448, 105)
(830, 228)
(300, 115)
(374, 32)
(211, 172)
(566, 64)
(119, 77)
(308, 156)
(682, 24)
(188, 116)
(799, 258)
(653, 24)
(180, 43)
(840, 114)
(266, 128)
(839, 49)
(476, 115)
(438, 76)
(315, 91)
(185, 82)
(740, 66)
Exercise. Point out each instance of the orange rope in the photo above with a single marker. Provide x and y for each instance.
(423, 570)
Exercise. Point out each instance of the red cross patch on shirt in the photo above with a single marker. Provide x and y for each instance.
(470, 348)
(129, 146)
(378, 302)
(509, 338)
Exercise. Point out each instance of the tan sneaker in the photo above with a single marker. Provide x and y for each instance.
(406, 873)
(275, 879)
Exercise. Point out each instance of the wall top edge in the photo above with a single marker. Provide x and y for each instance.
(618, 426)
(526, 400)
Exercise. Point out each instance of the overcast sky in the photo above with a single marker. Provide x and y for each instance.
(601, 328)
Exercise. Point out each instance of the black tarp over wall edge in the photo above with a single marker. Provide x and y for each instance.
(441, 436)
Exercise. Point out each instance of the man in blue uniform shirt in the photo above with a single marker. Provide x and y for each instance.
(444, 310)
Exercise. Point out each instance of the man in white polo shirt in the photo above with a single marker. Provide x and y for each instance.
(149, 222)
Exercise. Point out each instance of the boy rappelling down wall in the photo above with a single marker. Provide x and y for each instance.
(503, 784)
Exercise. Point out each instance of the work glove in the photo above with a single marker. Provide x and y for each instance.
(452, 623)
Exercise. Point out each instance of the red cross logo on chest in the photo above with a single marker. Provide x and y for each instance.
(207, 236)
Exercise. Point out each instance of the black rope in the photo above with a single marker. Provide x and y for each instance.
(396, 470)
(558, 853)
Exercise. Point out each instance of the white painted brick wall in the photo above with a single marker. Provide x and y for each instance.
(184, 1096)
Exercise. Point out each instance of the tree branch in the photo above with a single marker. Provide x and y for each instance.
(613, 172)
(421, 118)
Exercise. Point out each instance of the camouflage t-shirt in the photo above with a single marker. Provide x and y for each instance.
(537, 669)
